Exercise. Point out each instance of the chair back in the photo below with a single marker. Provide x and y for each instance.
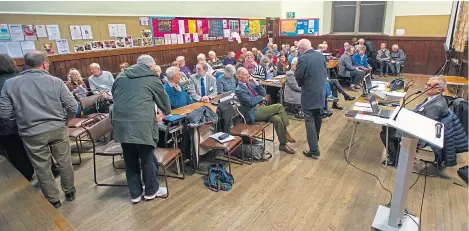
(98, 129)
(89, 101)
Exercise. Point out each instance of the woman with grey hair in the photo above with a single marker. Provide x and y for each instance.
(227, 82)
(293, 91)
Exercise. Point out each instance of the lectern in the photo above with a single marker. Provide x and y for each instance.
(413, 127)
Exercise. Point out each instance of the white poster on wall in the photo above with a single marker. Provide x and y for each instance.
(86, 32)
(53, 32)
(121, 30)
(41, 31)
(27, 46)
(182, 29)
(4, 33)
(14, 49)
(3, 48)
(62, 46)
(16, 32)
(75, 32)
(112, 30)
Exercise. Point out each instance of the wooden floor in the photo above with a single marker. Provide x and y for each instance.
(289, 192)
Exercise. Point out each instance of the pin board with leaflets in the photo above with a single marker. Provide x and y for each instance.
(299, 27)
(181, 30)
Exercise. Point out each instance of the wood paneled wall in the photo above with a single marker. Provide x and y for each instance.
(109, 60)
(424, 55)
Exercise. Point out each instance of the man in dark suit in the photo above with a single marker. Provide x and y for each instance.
(347, 69)
(434, 107)
(251, 96)
(311, 75)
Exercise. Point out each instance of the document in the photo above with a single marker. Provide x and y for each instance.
(180, 39)
(112, 30)
(226, 33)
(14, 49)
(16, 32)
(53, 31)
(364, 109)
(174, 39)
(167, 39)
(41, 31)
(4, 33)
(62, 46)
(86, 32)
(3, 48)
(75, 32)
(360, 104)
(121, 30)
(182, 29)
(27, 46)
(195, 37)
(217, 135)
(29, 32)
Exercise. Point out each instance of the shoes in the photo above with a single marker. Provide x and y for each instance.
(327, 113)
(332, 98)
(357, 87)
(347, 97)
(299, 114)
(336, 106)
(70, 196)
(352, 88)
(286, 149)
(138, 199)
(314, 155)
(56, 204)
(289, 138)
(389, 162)
(162, 191)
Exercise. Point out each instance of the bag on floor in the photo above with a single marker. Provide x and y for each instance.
(258, 152)
(462, 172)
(218, 178)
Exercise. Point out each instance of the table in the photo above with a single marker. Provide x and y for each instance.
(457, 86)
(278, 84)
(331, 65)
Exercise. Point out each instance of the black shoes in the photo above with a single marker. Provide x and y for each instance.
(349, 98)
(314, 155)
(336, 106)
(70, 196)
(389, 162)
(56, 204)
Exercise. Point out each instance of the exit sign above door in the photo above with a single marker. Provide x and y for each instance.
(290, 14)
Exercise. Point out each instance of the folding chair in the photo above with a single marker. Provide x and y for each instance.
(85, 103)
(166, 157)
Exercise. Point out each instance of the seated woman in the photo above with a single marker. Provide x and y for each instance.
(177, 95)
(249, 62)
(202, 58)
(214, 61)
(227, 82)
(76, 85)
(182, 65)
(240, 62)
(266, 70)
(273, 58)
(282, 65)
(293, 91)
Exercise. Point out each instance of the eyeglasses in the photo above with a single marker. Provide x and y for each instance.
(430, 85)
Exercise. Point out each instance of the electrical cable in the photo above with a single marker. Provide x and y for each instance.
(423, 197)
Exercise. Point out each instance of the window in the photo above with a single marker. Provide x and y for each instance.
(358, 16)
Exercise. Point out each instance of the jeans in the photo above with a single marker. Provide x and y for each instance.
(383, 64)
(136, 155)
(40, 149)
(396, 67)
(313, 121)
(335, 87)
(357, 76)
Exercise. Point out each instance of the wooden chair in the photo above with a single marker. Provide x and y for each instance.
(166, 157)
(85, 103)
(113, 149)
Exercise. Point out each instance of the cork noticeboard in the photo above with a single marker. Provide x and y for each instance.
(423, 25)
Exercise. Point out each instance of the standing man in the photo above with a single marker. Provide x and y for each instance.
(204, 84)
(311, 75)
(42, 105)
(136, 91)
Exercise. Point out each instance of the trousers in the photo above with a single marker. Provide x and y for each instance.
(357, 76)
(313, 122)
(136, 155)
(395, 67)
(393, 142)
(41, 148)
(275, 114)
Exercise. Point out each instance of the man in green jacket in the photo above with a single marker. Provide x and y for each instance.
(136, 91)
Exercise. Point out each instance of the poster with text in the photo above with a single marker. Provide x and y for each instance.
(112, 30)
(27, 46)
(41, 31)
(234, 25)
(75, 32)
(288, 27)
(53, 32)
(262, 28)
(121, 30)
(182, 28)
(244, 27)
(4, 33)
(16, 32)
(86, 32)
(62, 46)
(191, 26)
(14, 50)
(254, 27)
(215, 28)
(165, 25)
(29, 32)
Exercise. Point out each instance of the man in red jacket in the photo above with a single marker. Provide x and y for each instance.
(243, 51)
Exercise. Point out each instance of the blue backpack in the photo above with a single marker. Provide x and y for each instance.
(218, 178)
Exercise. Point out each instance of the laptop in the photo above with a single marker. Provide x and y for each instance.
(387, 97)
(383, 113)
(223, 97)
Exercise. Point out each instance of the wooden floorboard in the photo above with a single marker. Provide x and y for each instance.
(289, 192)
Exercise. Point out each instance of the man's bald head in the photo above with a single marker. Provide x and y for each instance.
(35, 59)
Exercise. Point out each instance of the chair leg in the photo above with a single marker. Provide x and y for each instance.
(165, 182)
(96, 179)
(79, 153)
(114, 164)
(181, 165)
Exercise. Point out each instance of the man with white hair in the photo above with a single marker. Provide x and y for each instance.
(101, 81)
(347, 69)
(202, 58)
(182, 65)
(397, 59)
(177, 96)
(136, 92)
(434, 107)
(241, 52)
(203, 86)
(311, 75)
(213, 61)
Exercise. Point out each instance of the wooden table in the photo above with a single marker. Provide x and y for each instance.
(23, 207)
(457, 86)
(278, 84)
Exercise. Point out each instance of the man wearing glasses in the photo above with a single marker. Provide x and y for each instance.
(434, 107)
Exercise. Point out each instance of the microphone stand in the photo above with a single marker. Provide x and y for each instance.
(404, 103)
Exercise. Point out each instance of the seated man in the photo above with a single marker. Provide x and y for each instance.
(202, 58)
(101, 81)
(213, 61)
(203, 84)
(434, 107)
(397, 59)
(229, 59)
(251, 94)
(177, 96)
(341, 50)
(383, 59)
(346, 69)
(241, 52)
(361, 61)
(269, 47)
(335, 89)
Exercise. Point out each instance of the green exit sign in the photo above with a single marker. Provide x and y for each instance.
(290, 14)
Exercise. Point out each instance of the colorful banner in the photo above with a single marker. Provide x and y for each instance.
(288, 27)
(244, 27)
(262, 28)
(294, 27)
(191, 25)
(254, 27)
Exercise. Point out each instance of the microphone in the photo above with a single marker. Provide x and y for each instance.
(438, 128)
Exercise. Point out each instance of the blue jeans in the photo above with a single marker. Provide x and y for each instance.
(136, 155)
(395, 67)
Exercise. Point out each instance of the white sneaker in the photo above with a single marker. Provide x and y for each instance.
(162, 191)
(138, 199)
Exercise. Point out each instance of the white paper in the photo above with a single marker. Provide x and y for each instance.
(365, 117)
(27, 46)
(62, 46)
(182, 29)
(226, 33)
(272, 80)
(121, 30)
(3, 48)
(16, 32)
(378, 82)
(195, 37)
(400, 32)
(53, 32)
(174, 39)
(14, 50)
(112, 30)
(360, 104)
(301, 31)
(187, 38)
(395, 93)
(218, 134)
(41, 31)
(180, 39)
(167, 39)
(364, 109)
(225, 24)
(271, 40)
(86, 32)
(143, 21)
(75, 32)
